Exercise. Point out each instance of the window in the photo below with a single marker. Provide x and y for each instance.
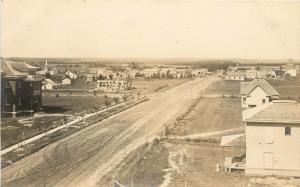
(251, 106)
(19, 84)
(244, 100)
(263, 101)
(287, 131)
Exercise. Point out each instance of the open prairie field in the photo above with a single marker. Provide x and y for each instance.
(69, 105)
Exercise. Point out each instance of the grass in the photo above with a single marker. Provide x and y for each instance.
(13, 132)
(80, 84)
(147, 86)
(288, 89)
(70, 105)
(224, 87)
(211, 114)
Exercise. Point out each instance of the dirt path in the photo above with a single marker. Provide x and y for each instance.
(82, 159)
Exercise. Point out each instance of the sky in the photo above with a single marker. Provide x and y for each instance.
(150, 29)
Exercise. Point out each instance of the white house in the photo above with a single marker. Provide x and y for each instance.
(71, 75)
(292, 73)
(66, 81)
(257, 92)
(273, 139)
(48, 84)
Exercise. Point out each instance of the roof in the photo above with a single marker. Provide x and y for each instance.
(236, 140)
(280, 111)
(23, 66)
(248, 87)
(8, 70)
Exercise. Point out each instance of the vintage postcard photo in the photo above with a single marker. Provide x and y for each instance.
(150, 93)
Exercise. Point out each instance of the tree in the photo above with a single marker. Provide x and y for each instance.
(48, 75)
(125, 97)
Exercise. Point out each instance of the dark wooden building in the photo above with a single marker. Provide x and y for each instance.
(21, 90)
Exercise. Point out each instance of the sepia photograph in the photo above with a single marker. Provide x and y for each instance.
(150, 93)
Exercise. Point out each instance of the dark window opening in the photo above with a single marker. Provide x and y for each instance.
(287, 131)
(263, 101)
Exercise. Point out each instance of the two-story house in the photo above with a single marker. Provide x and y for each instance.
(20, 90)
(256, 93)
(273, 139)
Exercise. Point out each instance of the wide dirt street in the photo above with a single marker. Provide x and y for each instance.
(82, 159)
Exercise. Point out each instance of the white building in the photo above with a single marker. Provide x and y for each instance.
(66, 81)
(273, 139)
(48, 84)
(292, 73)
(239, 76)
(256, 93)
(71, 75)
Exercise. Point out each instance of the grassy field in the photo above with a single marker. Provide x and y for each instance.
(288, 89)
(147, 86)
(224, 87)
(80, 84)
(13, 132)
(69, 105)
(211, 114)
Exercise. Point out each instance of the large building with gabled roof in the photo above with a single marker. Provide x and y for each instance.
(256, 93)
(273, 139)
(21, 91)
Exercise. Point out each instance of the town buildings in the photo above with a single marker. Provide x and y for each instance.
(21, 91)
(113, 85)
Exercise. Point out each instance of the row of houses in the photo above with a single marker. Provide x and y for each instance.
(272, 132)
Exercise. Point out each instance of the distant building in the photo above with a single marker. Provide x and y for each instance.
(256, 93)
(71, 75)
(239, 76)
(113, 85)
(272, 139)
(89, 78)
(48, 84)
(66, 81)
(290, 74)
(21, 90)
(151, 72)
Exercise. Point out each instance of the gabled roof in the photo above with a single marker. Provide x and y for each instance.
(8, 70)
(236, 140)
(23, 66)
(280, 111)
(248, 87)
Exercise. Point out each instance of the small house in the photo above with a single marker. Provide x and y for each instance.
(48, 84)
(257, 92)
(71, 75)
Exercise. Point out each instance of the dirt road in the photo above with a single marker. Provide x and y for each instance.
(85, 157)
